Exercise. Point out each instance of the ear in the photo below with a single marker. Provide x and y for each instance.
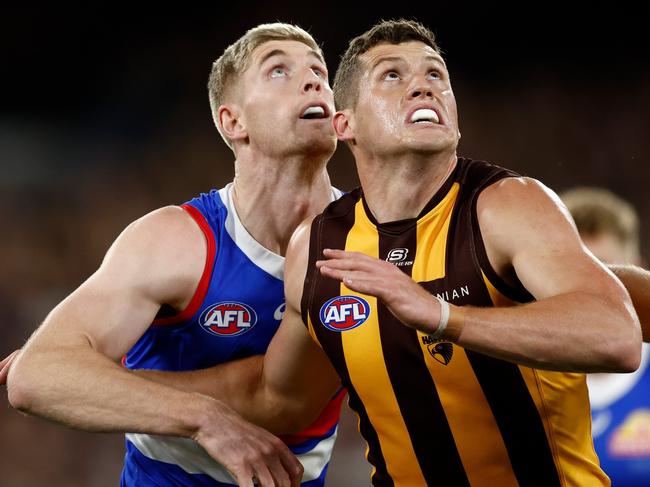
(230, 123)
(344, 125)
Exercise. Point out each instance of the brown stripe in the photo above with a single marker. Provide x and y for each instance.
(332, 233)
(413, 385)
(518, 419)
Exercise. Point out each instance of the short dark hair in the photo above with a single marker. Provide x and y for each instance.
(346, 81)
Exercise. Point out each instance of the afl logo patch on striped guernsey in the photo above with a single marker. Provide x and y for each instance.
(228, 318)
(344, 313)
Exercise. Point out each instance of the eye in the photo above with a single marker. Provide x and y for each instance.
(319, 72)
(391, 76)
(435, 74)
(278, 72)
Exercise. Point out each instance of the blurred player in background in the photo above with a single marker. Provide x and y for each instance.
(620, 403)
(189, 287)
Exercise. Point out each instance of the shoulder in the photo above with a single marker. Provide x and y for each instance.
(165, 246)
(298, 248)
(477, 174)
(521, 212)
(517, 195)
(167, 229)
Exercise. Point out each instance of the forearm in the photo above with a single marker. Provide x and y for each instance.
(241, 386)
(637, 282)
(569, 332)
(233, 383)
(83, 389)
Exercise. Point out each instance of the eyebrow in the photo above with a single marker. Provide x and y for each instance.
(400, 59)
(280, 52)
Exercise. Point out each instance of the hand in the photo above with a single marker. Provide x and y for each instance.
(248, 451)
(5, 365)
(406, 299)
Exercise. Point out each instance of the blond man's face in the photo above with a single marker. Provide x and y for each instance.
(285, 100)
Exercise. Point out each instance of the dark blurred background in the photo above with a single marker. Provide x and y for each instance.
(104, 116)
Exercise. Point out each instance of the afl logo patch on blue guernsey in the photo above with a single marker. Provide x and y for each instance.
(228, 318)
(344, 313)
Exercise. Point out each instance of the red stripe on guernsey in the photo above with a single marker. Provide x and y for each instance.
(204, 283)
(325, 422)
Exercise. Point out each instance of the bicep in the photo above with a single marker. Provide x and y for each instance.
(141, 271)
(105, 314)
(525, 225)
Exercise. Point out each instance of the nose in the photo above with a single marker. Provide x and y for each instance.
(312, 83)
(420, 91)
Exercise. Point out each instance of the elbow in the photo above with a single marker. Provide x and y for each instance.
(625, 356)
(291, 417)
(23, 385)
(629, 358)
(622, 346)
(19, 392)
(17, 398)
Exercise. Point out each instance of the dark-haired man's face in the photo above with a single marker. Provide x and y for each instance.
(405, 101)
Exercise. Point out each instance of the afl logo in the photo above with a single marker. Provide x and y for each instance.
(344, 313)
(228, 318)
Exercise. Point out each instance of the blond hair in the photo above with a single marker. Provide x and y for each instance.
(236, 58)
(598, 211)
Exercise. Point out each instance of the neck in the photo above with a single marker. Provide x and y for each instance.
(400, 187)
(272, 197)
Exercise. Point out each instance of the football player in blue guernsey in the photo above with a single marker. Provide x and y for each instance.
(188, 287)
(620, 403)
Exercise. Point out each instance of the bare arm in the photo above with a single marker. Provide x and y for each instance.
(284, 390)
(637, 282)
(583, 319)
(68, 371)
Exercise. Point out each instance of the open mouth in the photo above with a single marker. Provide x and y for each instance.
(314, 112)
(425, 115)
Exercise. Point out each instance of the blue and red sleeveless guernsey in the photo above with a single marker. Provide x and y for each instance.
(236, 310)
(620, 411)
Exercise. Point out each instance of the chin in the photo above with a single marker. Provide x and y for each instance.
(433, 145)
(429, 148)
(317, 146)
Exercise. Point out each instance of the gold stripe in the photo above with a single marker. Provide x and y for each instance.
(498, 299)
(465, 406)
(364, 358)
(562, 401)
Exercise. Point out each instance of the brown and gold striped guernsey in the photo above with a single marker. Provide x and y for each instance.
(433, 413)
